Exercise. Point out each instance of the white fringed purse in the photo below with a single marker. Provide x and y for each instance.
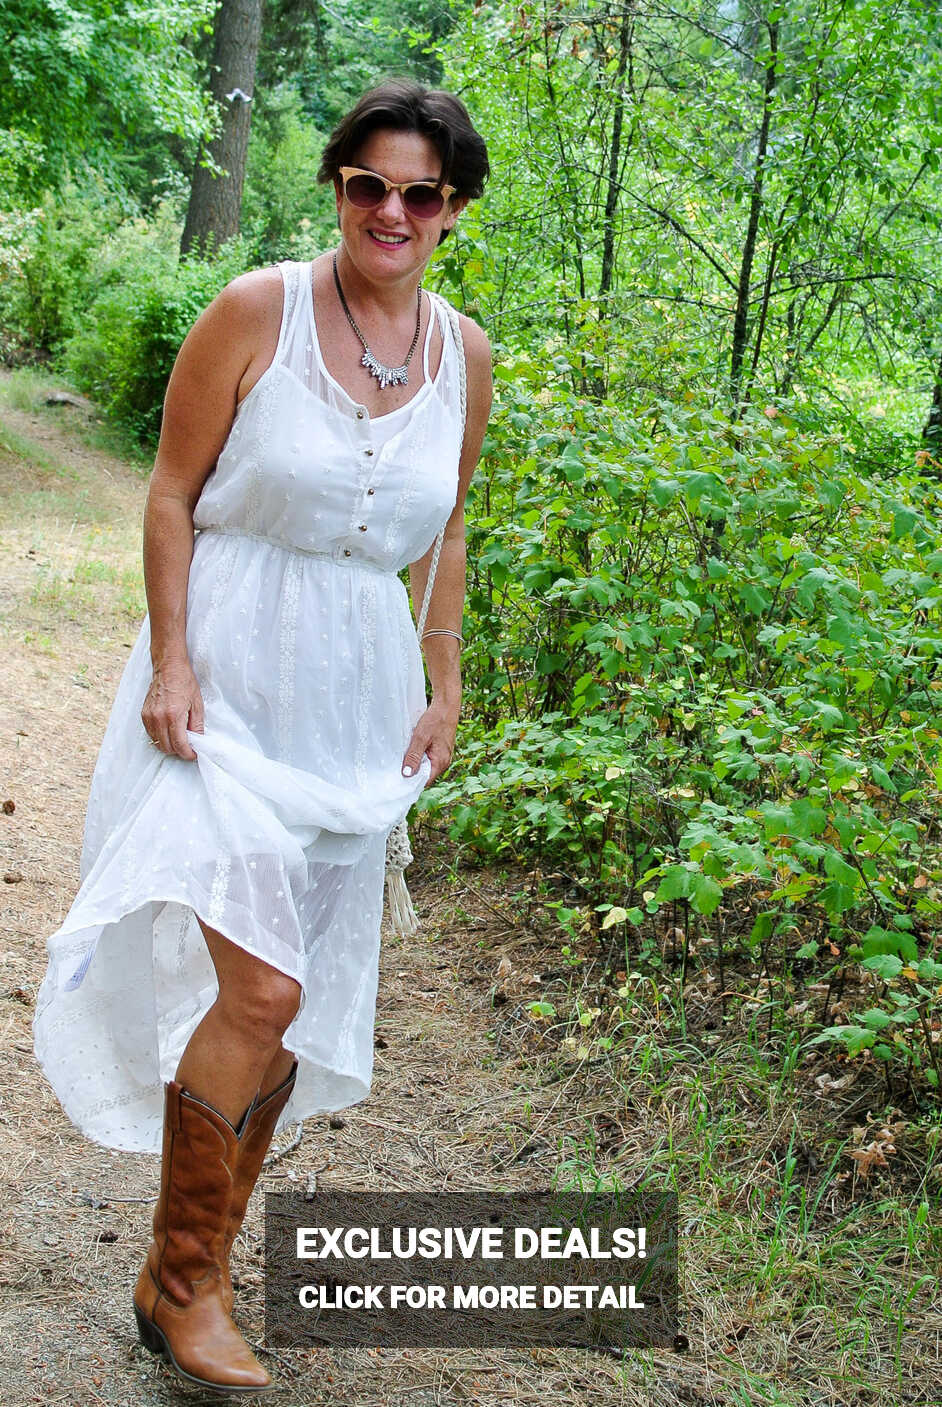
(402, 914)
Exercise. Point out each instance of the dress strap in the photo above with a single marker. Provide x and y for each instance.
(436, 315)
(398, 851)
(294, 277)
(462, 413)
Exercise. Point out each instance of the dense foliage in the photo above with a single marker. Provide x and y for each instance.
(705, 672)
(702, 675)
(99, 82)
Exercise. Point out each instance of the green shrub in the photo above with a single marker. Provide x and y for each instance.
(285, 213)
(147, 299)
(704, 674)
(51, 265)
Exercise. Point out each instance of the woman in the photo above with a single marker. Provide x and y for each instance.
(218, 967)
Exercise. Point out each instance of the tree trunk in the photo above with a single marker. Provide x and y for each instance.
(614, 163)
(212, 216)
(932, 430)
(741, 320)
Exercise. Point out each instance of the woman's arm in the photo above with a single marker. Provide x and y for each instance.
(435, 731)
(224, 353)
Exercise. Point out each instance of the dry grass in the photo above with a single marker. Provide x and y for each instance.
(800, 1285)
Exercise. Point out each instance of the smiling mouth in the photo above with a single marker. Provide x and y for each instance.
(390, 240)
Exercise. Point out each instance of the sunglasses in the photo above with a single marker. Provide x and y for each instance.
(366, 189)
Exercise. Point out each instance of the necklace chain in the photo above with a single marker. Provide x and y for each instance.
(385, 375)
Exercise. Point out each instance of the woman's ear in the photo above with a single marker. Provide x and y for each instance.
(455, 206)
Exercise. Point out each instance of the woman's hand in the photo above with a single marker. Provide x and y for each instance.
(434, 734)
(173, 704)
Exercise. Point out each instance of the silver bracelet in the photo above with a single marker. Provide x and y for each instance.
(455, 633)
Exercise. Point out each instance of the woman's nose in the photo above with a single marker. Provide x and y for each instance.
(391, 206)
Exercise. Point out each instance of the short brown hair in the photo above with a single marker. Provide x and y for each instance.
(406, 106)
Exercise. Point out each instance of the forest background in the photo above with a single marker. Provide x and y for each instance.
(702, 631)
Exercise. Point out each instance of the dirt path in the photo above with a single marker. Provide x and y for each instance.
(445, 1109)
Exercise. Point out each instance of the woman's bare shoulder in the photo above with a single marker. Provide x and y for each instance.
(251, 302)
(477, 352)
(476, 344)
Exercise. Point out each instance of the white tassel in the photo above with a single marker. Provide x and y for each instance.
(402, 914)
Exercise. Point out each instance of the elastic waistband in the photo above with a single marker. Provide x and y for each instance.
(343, 557)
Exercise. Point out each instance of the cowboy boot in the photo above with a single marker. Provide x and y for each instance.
(255, 1137)
(178, 1300)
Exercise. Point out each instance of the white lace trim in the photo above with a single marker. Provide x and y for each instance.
(287, 656)
(224, 569)
(121, 1101)
(368, 640)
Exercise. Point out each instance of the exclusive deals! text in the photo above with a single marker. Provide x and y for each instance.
(468, 1243)
(422, 1269)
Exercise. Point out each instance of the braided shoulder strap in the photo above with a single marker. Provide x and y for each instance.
(398, 850)
(463, 415)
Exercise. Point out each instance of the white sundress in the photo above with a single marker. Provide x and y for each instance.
(301, 635)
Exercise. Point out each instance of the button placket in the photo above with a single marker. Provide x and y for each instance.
(371, 461)
(368, 493)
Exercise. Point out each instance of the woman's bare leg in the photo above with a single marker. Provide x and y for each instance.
(278, 1071)
(236, 1049)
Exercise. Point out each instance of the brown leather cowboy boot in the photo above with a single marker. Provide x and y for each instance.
(178, 1301)
(255, 1138)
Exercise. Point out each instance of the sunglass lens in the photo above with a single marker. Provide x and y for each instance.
(364, 191)
(423, 201)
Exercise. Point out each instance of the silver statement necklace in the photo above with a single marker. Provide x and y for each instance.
(385, 375)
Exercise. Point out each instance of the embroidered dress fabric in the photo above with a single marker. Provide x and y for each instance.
(300, 633)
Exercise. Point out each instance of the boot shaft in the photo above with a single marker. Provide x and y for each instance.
(200, 1149)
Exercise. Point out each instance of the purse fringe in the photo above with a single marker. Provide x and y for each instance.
(402, 914)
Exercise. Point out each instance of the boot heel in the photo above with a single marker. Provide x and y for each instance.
(149, 1335)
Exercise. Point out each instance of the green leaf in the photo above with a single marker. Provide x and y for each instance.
(885, 965)
(705, 894)
(903, 522)
(762, 929)
(882, 778)
(675, 884)
(756, 600)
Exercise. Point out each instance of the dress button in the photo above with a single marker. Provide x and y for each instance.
(371, 491)
(362, 527)
(367, 451)
(346, 552)
(360, 414)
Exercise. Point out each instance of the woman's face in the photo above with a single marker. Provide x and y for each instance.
(387, 242)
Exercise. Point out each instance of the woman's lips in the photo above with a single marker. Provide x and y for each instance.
(390, 242)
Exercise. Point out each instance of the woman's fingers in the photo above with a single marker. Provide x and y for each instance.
(168, 732)
(179, 743)
(196, 714)
(435, 742)
(172, 706)
(413, 758)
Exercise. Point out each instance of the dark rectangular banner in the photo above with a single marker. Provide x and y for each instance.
(465, 1269)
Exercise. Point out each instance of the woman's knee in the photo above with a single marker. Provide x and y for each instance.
(264, 1004)
(258, 998)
